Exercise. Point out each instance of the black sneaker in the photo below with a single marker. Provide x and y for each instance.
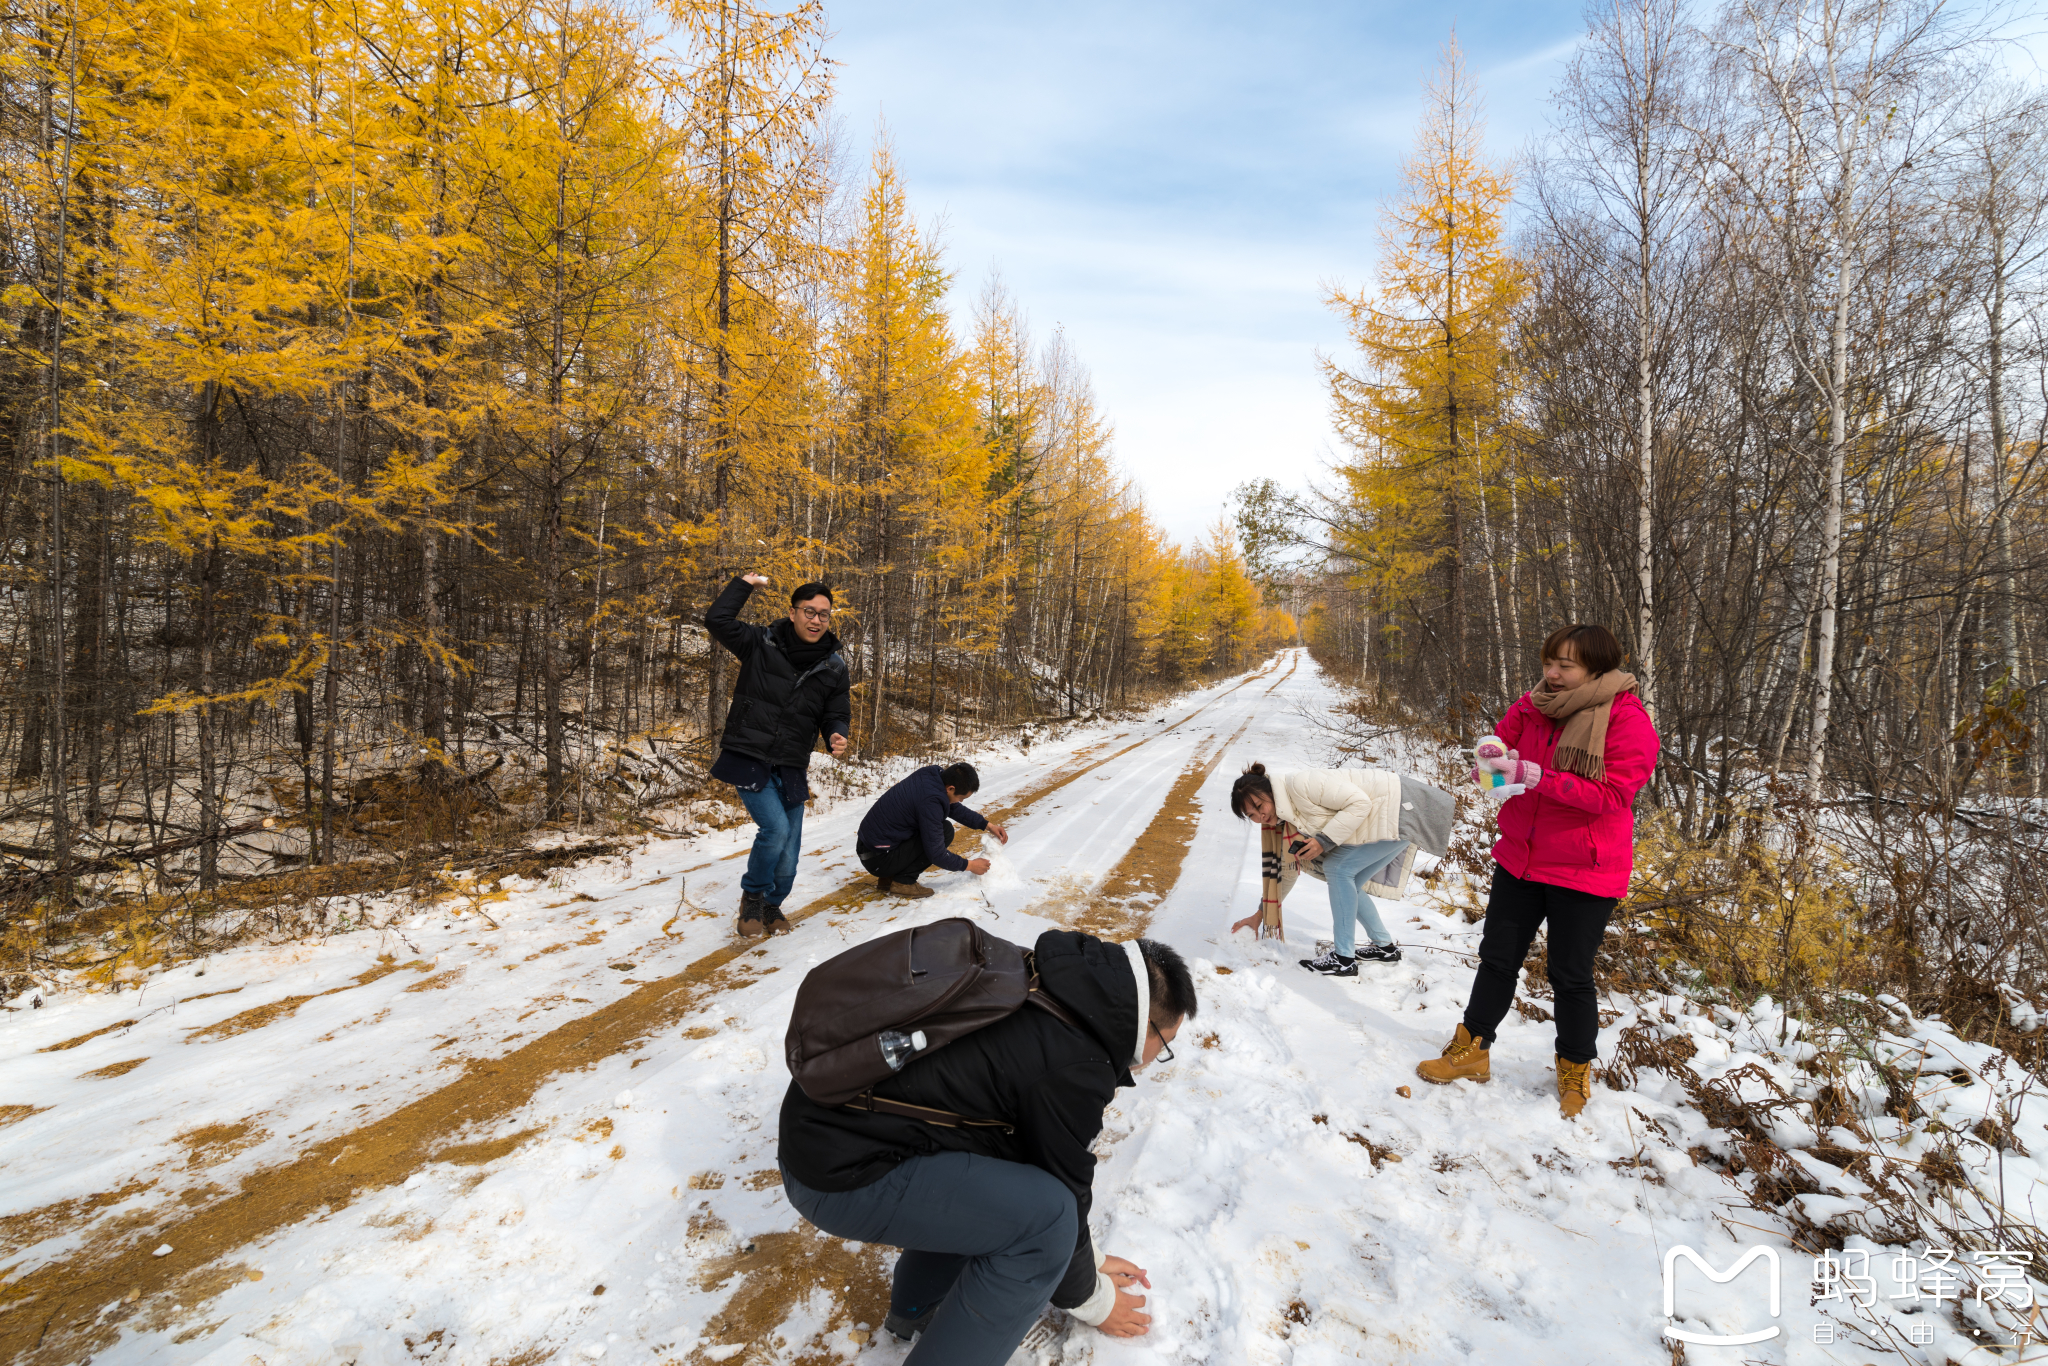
(773, 921)
(903, 1326)
(750, 923)
(1331, 965)
(1380, 953)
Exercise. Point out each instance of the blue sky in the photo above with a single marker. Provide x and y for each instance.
(1175, 185)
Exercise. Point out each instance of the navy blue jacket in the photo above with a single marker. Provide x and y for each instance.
(916, 808)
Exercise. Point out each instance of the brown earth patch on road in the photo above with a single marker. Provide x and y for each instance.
(14, 1114)
(26, 1229)
(86, 1038)
(251, 1019)
(490, 1150)
(1152, 867)
(112, 1069)
(212, 1144)
(258, 1016)
(780, 1271)
(1053, 784)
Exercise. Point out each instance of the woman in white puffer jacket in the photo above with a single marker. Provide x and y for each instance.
(1348, 822)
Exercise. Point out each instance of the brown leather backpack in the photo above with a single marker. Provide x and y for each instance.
(937, 983)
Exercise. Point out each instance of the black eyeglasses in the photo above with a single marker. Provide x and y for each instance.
(815, 614)
(1165, 1048)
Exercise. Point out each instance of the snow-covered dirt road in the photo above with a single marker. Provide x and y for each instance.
(542, 1128)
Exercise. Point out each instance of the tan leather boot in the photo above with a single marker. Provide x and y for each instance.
(913, 890)
(1462, 1060)
(1574, 1086)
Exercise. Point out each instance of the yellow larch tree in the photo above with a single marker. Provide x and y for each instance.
(1426, 414)
(906, 422)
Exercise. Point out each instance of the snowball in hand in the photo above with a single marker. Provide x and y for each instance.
(1002, 875)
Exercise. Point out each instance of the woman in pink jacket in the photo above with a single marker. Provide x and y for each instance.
(1579, 746)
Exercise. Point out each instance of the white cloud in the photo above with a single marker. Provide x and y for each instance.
(1174, 184)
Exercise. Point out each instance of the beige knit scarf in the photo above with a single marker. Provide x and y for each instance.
(1584, 712)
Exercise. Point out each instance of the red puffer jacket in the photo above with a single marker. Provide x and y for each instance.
(1571, 831)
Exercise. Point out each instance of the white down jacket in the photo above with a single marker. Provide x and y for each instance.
(1345, 806)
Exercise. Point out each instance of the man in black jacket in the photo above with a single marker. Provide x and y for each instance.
(792, 690)
(993, 1221)
(906, 831)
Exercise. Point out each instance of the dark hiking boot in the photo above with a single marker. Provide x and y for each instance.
(1332, 964)
(903, 1325)
(1462, 1060)
(774, 921)
(752, 917)
(1380, 953)
(912, 890)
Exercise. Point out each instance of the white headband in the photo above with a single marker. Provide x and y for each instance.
(1144, 975)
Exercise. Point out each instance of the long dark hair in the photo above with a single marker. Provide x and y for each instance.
(1253, 779)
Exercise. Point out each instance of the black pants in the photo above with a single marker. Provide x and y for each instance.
(899, 862)
(1514, 909)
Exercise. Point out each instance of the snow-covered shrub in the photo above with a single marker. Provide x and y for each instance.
(1763, 908)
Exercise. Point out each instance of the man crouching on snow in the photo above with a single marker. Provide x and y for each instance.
(908, 829)
(993, 1221)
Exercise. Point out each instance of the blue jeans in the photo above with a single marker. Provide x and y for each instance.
(986, 1240)
(771, 868)
(1345, 868)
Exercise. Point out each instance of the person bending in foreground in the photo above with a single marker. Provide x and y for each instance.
(1581, 744)
(791, 691)
(907, 831)
(1357, 830)
(993, 1221)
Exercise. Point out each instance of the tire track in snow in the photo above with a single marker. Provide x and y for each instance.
(1153, 866)
(52, 1313)
(860, 891)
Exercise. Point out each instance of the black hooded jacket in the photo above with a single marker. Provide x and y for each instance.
(779, 709)
(1047, 1078)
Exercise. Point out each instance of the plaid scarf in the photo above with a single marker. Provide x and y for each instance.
(1273, 857)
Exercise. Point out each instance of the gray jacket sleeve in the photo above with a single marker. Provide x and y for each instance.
(1427, 814)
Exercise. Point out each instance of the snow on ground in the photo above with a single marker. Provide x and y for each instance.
(1297, 1193)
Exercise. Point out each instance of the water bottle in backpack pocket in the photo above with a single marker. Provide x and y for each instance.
(899, 1048)
(864, 1015)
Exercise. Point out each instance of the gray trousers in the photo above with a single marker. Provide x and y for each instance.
(985, 1240)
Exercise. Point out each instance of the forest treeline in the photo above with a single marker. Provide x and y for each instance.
(1744, 359)
(390, 386)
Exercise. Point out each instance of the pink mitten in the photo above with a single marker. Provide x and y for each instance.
(1520, 772)
(1483, 776)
